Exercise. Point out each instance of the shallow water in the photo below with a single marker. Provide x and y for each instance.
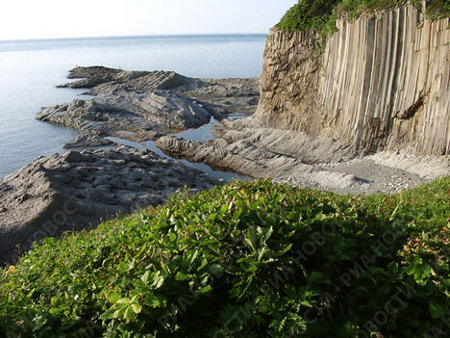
(201, 134)
(31, 70)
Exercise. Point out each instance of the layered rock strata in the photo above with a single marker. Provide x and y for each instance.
(299, 159)
(87, 141)
(149, 104)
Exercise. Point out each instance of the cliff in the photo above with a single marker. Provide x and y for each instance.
(380, 82)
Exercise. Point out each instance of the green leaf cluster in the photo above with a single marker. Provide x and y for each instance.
(250, 259)
(321, 15)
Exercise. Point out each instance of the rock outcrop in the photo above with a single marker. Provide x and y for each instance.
(74, 190)
(145, 114)
(87, 141)
(96, 75)
(302, 160)
(381, 82)
(149, 104)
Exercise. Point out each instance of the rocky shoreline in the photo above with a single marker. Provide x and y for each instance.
(148, 105)
(75, 190)
(301, 160)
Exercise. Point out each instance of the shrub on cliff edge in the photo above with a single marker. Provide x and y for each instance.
(321, 15)
(245, 260)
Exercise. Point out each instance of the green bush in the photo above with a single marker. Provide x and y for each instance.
(321, 15)
(438, 9)
(309, 14)
(245, 260)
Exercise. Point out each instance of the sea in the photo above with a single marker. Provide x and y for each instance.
(31, 70)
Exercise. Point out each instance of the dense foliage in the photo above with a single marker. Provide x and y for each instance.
(321, 15)
(245, 260)
(311, 14)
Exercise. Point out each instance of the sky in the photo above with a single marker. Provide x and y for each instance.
(44, 19)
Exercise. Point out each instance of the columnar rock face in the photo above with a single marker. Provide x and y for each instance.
(380, 82)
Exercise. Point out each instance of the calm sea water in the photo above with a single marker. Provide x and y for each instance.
(31, 70)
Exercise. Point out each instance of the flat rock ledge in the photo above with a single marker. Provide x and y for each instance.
(73, 191)
(148, 105)
(301, 160)
(87, 141)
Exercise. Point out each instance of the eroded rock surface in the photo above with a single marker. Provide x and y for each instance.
(149, 104)
(96, 75)
(74, 190)
(87, 141)
(232, 95)
(302, 160)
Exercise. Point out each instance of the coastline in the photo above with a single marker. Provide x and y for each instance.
(188, 198)
(32, 72)
(151, 108)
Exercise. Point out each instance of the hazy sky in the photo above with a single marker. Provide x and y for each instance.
(38, 19)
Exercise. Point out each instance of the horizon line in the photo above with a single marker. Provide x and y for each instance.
(132, 36)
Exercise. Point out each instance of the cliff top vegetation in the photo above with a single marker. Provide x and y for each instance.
(321, 15)
(251, 259)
